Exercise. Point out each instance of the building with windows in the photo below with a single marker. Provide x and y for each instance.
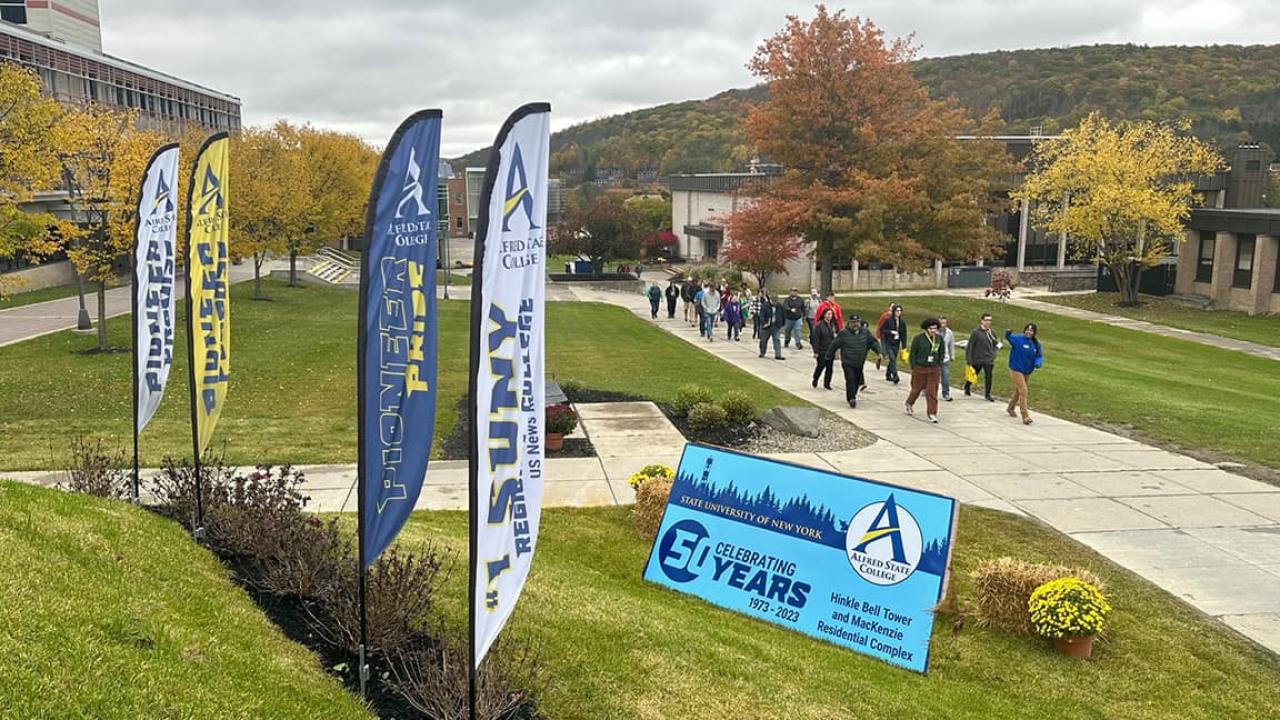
(1229, 255)
(62, 42)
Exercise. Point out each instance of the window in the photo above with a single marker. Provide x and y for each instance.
(14, 11)
(1244, 261)
(457, 222)
(457, 198)
(1204, 263)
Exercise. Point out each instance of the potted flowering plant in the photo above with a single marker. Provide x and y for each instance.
(649, 472)
(1071, 612)
(561, 420)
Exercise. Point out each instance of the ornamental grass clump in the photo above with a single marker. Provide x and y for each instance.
(1068, 607)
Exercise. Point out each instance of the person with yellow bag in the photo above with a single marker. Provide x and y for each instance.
(893, 338)
(980, 356)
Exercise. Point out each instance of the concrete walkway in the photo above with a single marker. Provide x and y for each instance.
(1205, 535)
(1215, 341)
(32, 321)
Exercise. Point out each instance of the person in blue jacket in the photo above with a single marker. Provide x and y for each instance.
(1025, 355)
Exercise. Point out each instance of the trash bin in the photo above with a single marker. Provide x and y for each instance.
(965, 276)
(582, 267)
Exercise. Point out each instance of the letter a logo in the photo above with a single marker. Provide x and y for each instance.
(210, 192)
(412, 187)
(518, 196)
(163, 198)
(890, 529)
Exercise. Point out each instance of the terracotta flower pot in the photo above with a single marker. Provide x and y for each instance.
(1078, 646)
(555, 441)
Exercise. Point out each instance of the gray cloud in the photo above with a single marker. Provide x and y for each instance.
(362, 66)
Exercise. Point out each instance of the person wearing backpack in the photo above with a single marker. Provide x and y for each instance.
(673, 294)
(853, 343)
(655, 299)
(1025, 355)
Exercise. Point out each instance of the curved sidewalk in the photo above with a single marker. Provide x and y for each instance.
(1205, 535)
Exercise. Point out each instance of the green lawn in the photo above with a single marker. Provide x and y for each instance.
(617, 647)
(292, 394)
(109, 611)
(1168, 390)
(1262, 329)
(31, 297)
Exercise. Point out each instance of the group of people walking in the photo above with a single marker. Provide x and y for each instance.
(777, 320)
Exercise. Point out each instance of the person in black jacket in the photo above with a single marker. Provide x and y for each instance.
(673, 294)
(687, 292)
(980, 354)
(795, 317)
(820, 339)
(893, 337)
(773, 316)
(853, 343)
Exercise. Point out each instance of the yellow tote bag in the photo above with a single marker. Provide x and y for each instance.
(970, 375)
(904, 356)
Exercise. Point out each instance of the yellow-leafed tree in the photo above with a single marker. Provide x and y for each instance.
(1120, 192)
(103, 154)
(339, 169)
(271, 195)
(28, 163)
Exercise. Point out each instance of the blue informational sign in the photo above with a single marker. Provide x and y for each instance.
(396, 356)
(854, 562)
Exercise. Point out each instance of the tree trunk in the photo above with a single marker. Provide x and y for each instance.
(257, 276)
(824, 257)
(102, 315)
(1137, 284)
(293, 267)
(1124, 284)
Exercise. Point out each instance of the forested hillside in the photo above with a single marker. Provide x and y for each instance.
(1229, 93)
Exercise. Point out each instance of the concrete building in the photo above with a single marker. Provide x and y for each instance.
(76, 74)
(1229, 255)
(76, 21)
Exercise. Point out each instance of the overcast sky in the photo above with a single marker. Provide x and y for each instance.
(362, 65)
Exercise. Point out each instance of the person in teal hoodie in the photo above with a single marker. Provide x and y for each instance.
(1025, 355)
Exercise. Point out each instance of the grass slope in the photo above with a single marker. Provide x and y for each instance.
(1169, 390)
(1261, 329)
(109, 611)
(617, 647)
(292, 394)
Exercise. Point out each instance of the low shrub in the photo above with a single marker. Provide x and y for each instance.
(175, 490)
(651, 502)
(400, 596)
(434, 679)
(705, 417)
(95, 470)
(252, 514)
(649, 472)
(687, 396)
(1003, 588)
(1002, 284)
(308, 559)
(1068, 607)
(738, 408)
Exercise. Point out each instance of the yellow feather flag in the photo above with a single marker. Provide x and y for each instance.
(208, 289)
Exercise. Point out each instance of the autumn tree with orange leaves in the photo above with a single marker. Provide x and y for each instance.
(874, 168)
